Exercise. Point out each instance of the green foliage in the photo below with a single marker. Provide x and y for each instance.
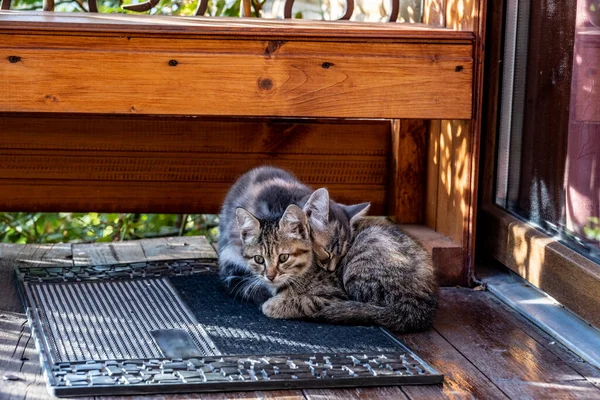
(95, 227)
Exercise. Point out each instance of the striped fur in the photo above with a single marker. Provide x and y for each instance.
(390, 279)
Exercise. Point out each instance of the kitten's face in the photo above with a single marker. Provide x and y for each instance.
(276, 250)
(331, 227)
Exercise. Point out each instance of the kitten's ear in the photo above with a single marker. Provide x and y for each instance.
(356, 212)
(294, 223)
(317, 209)
(248, 224)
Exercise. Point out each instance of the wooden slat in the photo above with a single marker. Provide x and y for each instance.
(18, 357)
(513, 360)
(302, 84)
(72, 163)
(27, 256)
(224, 27)
(433, 171)
(198, 197)
(384, 393)
(107, 253)
(407, 174)
(192, 135)
(174, 248)
(270, 394)
(462, 380)
(10, 300)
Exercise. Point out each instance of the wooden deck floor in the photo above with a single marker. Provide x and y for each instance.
(485, 350)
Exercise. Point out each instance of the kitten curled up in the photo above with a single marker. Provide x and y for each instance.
(265, 193)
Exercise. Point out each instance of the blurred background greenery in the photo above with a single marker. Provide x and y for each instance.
(25, 227)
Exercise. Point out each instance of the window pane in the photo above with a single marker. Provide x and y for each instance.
(549, 146)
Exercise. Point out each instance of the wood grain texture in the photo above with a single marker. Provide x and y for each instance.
(157, 197)
(27, 256)
(263, 83)
(462, 380)
(383, 393)
(66, 162)
(18, 357)
(177, 248)
(433, 172)
(407, 174)
(512, 359)
(107, 253)
(569, 277)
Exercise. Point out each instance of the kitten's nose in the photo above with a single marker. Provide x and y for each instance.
(271, 277)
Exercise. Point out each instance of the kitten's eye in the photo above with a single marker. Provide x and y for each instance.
(283, 257)
(259, 259)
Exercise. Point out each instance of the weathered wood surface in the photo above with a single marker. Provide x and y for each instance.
(143, 164)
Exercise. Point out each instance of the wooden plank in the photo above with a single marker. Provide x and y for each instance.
(507, 355)
(93, 133)
(407, 176)
(222, 27)
(107, 253)
(569, 277)
(446, 254)
(267, 394)
(453, 200)
(385, 393)
(10, 297)
(174, 248)
(187, 167)
(433, 171)
(302, 84)
(462, 380)
(157, 197)
(27, 256)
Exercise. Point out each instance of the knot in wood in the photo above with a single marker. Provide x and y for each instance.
(327, 65)
(458, 68)
(265, 83)
(173, 63)
(13, 59)
(273, 46)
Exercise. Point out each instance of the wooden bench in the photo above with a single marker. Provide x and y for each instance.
(161, 114)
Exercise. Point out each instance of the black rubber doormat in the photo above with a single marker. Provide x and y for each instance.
(167, 327)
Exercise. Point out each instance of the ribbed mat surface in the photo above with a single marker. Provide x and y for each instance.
(107, 320)
(238, 328)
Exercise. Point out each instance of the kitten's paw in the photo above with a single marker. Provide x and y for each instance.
(272, 308)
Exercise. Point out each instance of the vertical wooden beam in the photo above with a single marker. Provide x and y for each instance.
(433, 171)
(407, 186)
(457, 140)
(246, 10)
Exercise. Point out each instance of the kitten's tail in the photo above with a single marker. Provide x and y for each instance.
(407, 316)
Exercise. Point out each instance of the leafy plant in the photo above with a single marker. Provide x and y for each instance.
(592, 229)
(95, 227)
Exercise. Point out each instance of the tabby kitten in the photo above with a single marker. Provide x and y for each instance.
(389, 279)
(265, 193)
(280, 253)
